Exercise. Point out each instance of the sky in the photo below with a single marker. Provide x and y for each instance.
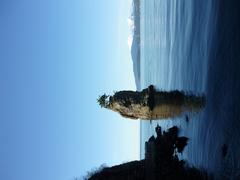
(56, 58)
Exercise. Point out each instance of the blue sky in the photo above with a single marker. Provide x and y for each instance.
(56, 58)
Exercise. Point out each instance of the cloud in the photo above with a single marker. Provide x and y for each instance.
(130, 22)
(130, 40)
(131, 26)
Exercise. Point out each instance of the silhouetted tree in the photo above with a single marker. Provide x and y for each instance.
(102, 100)
(161, 162)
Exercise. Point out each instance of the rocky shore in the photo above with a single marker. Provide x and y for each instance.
(161, 161)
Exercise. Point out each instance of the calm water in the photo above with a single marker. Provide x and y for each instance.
(193, 46)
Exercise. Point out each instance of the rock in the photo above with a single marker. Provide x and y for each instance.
(224, 150)
(161, 162)
(150, 104)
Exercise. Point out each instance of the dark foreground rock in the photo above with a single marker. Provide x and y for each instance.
(161, 161)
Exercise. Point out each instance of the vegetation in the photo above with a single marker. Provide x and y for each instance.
(161, 162)
(102, 100)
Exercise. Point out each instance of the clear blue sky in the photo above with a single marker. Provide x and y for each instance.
(56, 57)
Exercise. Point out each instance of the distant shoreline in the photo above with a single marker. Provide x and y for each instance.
(135, 48)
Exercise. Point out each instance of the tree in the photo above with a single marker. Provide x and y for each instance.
(102, 100)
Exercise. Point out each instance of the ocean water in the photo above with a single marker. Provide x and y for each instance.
(194, 46)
